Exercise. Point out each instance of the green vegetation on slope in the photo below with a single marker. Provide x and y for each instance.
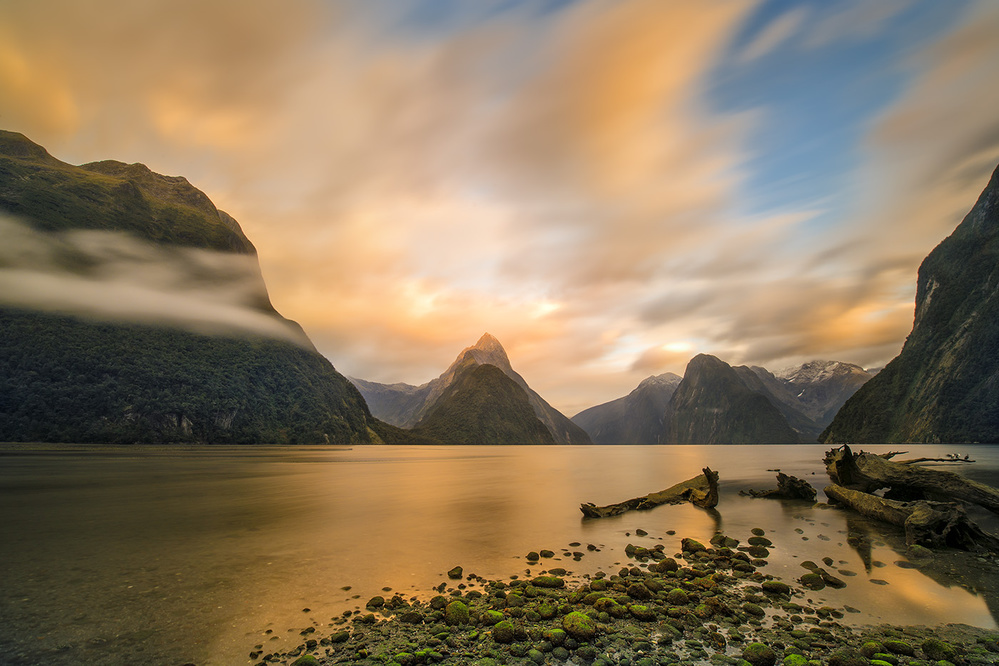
(944, 385)
(110, 196)
(69, 380)
(484, 406)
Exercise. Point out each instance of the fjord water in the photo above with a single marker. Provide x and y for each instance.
(172, 555)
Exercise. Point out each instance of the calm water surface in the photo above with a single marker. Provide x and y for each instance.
(172, 555)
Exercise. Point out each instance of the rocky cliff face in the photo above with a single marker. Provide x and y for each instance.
(637, 418)
(944, 385)
(129, 270)
(715, 405)
(404, 405)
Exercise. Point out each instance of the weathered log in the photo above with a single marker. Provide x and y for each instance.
(932, 524)
(788, 487)
(702, 490)
(913, 461)
(868, 472)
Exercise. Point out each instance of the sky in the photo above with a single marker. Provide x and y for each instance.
(608, 187)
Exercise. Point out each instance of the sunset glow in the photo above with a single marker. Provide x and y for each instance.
(607, 187)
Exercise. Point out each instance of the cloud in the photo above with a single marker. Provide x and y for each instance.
(113, 276)
(774, 34)
(557, 179)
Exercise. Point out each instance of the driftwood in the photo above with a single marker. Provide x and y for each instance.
(932, 524)
(788, 487)
(702, 491)
(867, 472)
(913, 461)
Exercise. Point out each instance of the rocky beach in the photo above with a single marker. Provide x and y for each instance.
(708, 603)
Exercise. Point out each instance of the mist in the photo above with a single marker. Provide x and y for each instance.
(113, 276)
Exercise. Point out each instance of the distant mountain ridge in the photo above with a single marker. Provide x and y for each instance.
(715, 403)
(637, 418)
(944, 384)
(405, 406)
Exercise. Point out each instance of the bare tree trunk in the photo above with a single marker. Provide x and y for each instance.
(702, 490)
(933, 524)
(788, 487)
(868, 472)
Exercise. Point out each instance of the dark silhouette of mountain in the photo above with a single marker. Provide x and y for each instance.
(404, 405)
(82, 377)
(482, 405)
(714, 404)
(944, 384)
(636, 418)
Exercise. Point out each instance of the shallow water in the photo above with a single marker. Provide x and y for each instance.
(179, 554)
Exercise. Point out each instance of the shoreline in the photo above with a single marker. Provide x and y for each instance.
(707, 604)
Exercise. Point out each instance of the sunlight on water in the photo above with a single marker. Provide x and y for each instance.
(180, 554)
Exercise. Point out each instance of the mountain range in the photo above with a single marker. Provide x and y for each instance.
(716, 403)
(133, 310)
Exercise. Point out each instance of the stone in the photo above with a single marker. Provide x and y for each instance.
(375, 602)
(504, 632)
(847, 656)
(813, 581)
(456, 613)
(776, 587)
(340, 637)
(639, 591)
(937, 650)
(533, 556)
(871, 648)
(900, 647)
(677, 597)
(753, 609)
(759, 654)
(491, 618)
(579, 626)
(643, 613)
(549, 582)
(455, 573)
(691, 546)
(795, 660)
(305, 660)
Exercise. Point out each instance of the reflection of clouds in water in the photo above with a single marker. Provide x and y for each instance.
(113, 276)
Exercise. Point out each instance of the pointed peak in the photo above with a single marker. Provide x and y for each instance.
(488, 343)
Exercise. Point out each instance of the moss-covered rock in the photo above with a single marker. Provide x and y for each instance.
(813, 581)
(900, 647)
(871, 648)
(548, 582)
(456, 613)
(937, 650)
(795, 660)
(776, 587)
(759, 654)
(504, 632)
(677, 597)
(579, 626)
(491, 617)
(847, 656)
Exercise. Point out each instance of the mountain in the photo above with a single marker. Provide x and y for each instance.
(714, 404)
(404, 405)
(482, 405)
(944, 384)
(637, 418)
(821, 388)
(133, 310)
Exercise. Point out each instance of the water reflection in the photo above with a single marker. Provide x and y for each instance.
(167, 555)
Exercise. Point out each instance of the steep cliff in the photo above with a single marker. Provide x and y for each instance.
(133, 310)
(944, 384)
